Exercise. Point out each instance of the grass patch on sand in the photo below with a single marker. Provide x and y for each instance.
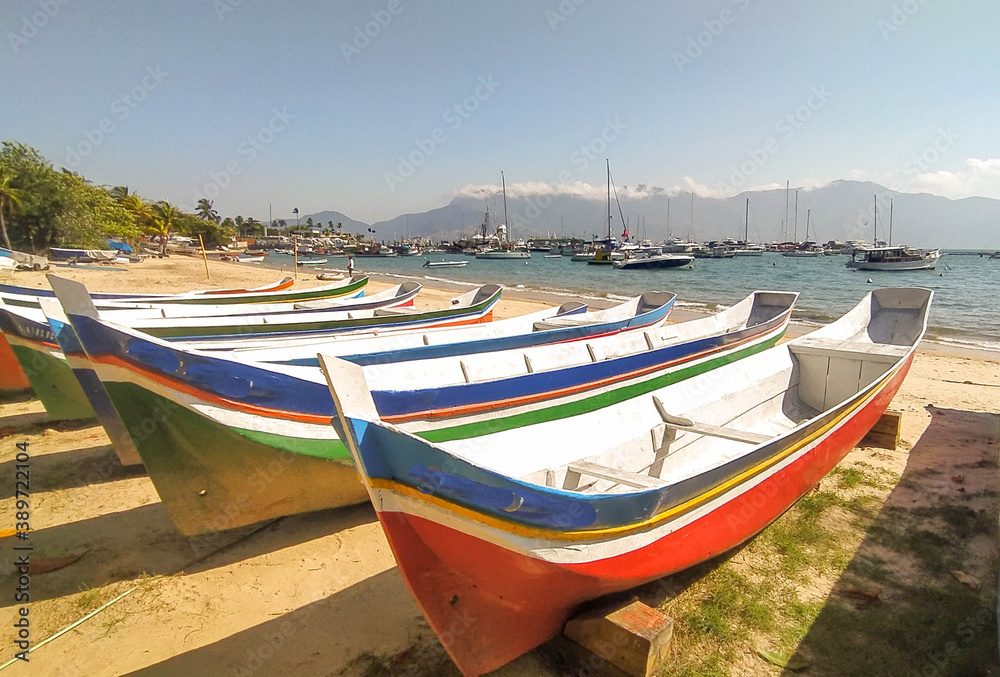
(895, 607)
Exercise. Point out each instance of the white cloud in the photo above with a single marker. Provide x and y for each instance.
(976, 177)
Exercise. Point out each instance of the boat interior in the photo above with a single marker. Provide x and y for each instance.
(757, 308)
(693, 426)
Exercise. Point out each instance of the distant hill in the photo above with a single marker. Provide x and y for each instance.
(321, 219)
(841, 210)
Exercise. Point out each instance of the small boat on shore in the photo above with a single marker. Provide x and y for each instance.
(83, 255)
(515, 528)
(278, 293)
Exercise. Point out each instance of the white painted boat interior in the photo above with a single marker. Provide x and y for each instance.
(690, 427)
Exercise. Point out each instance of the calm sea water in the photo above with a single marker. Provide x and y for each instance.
(965, 311)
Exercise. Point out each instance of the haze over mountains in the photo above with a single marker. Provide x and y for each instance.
(841, 210)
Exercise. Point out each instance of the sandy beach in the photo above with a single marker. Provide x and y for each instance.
(319, 594)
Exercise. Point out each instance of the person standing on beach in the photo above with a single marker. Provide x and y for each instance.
(350, 266)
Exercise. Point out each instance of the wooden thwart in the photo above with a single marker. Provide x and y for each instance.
(634, 638)
(687, 425)
(630, 479)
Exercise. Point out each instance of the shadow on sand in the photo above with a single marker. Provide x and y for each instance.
(897, 608)
(124, 545)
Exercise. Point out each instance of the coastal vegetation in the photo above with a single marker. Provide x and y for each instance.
(42, 206)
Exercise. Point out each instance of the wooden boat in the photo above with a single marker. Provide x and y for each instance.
(90, 385)
(516, 528)
(895, 259)
(25, 296)
(84, 255)
(24, 260)
(12, 377)
(36, 350)
(289, 427)
(890, 258)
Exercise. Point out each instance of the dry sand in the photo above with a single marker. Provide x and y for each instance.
(304, 595)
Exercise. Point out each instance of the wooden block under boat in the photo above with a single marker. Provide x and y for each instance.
(885, 433)
(634, 638)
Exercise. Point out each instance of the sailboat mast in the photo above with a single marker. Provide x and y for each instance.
(691, 229)
(890, 222)
(746, 221)
(784, 224)
(808, 214)
(875, 221)
(608, 161)
(503, 184)
(795, 225)
(669, 233)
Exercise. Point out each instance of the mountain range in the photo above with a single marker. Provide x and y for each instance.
(841, 210)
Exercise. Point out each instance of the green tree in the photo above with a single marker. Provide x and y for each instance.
(11, 199)
(205, 211)
(165, 217)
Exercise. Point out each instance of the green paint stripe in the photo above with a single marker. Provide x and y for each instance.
(585, 406)
(334, 450)
(365, 322)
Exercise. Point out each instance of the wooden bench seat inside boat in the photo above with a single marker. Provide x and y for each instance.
(575, 470)
(687, 425)
(833, 370)
(385, 312)
(879, 352)
(561, 323)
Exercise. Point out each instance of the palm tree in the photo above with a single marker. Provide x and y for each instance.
(205, 211)
(10, 199)
(165, 215)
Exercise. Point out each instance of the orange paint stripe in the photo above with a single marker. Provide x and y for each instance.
(182, 387)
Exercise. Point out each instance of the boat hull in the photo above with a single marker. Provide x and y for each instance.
(491, 596)
(12, 377)
(52, 380)
(210, 477)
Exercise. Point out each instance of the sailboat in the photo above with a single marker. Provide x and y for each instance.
(747, 249)
(889, 258)
(505, 249)
(807, 249)
(607, 251)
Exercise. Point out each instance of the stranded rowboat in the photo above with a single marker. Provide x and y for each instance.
(280, 425)
(515, 528)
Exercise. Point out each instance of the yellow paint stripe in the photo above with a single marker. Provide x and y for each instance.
(593, 534)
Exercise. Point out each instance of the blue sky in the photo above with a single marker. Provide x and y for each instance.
(384, 107)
